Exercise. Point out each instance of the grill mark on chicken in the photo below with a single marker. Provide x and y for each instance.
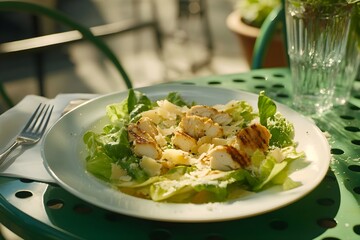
(260, 135)
(145, 124)
(254, 137)
(143, 143)
(242, 158)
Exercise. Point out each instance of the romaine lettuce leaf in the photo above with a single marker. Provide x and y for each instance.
(267, 108)
(137, 103)
(282, 131)
(118, 112)
(268, 172)
(241, 111)
(276, 171)
(131, 164)
(100, 165)
(176, 99)
(216, 183)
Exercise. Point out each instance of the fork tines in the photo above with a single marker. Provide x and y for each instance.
(35, 124)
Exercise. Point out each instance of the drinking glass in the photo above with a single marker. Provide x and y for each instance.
(317, 34)
(350, 65)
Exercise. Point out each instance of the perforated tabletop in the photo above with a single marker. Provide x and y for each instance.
(37, 210)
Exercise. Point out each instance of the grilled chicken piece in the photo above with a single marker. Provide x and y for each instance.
(184, 141)
(143, 143)
(146, 125)
(202, 111)
(221, 118)
(254, 137)
(198, 127)
(226, 158)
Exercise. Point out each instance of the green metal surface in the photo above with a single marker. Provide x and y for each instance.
(332, 211)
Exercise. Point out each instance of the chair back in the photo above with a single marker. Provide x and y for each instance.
(267, 31)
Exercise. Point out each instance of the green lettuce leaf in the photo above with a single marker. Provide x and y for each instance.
(178, 182)
(100, 166)
(282, 131)
(267, 108)
(269, 171)
(241, 111)
(176, 99)
(137, 103)
(118, 112)
(131, 164)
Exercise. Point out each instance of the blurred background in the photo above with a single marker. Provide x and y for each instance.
(193, 40)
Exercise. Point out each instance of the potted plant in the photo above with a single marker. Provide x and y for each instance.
(245, 21)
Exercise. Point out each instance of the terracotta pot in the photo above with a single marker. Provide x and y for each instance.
(276, 54)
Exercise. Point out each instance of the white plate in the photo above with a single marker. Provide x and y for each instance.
(63, 152)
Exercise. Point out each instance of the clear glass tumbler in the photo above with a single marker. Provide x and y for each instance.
(350, 65)
(317, 34)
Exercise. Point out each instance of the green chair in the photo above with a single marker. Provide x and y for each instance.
(61, 18)
(267, 31)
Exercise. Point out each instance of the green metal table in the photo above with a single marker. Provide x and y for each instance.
(36, 210)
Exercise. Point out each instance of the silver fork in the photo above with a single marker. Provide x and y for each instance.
(33, 130)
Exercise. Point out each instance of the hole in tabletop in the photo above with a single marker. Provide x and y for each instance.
(353, 107)
(325, 201)
(55, 204)
(357, 190)
(354, 168)
(82, 209)
(259, 78)
(327, 223)
(356, 142)
(337, 151)
(352, 129)
(278, 86)
(331, 238)
(279, 75)
(23, 194)
(357, 229)
(260, 87)
(214, 83)
(160, 234)
(357, 96)
(278, 225)
(282, 95)
(239, 80)
(24, 180)
(347, 117)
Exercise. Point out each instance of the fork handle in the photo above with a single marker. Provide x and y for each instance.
(4, 155)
